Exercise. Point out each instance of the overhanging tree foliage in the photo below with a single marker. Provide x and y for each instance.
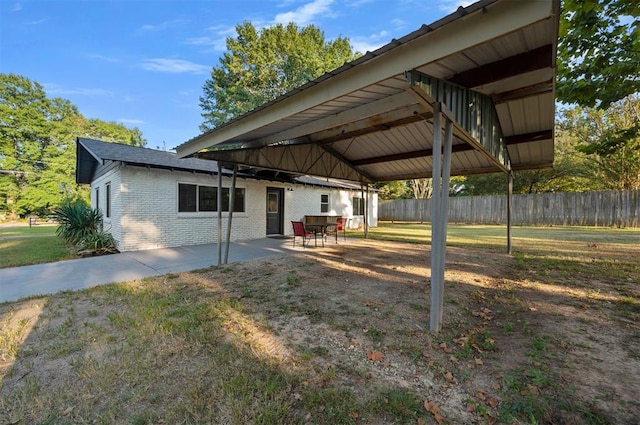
(37, 146)
(262, 65)
(598, 52)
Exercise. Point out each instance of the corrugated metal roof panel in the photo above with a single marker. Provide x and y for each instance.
(524, 94)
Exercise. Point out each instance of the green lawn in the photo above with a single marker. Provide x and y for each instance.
(23, 245)
(494, 237)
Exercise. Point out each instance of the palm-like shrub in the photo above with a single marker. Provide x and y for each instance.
(81, 227)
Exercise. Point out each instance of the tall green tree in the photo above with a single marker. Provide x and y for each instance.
(611, 139)
(261, 65)
(37, 146)
(598, 52)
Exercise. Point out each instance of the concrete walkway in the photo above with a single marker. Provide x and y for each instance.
(41, 279)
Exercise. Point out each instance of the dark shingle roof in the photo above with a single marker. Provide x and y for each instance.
(144, 156)
(91, 153)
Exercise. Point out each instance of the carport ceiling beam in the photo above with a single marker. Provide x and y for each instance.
(532, 60)
(407, 155)
(309, 159)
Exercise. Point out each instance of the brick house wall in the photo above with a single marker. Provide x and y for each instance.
(144, 207)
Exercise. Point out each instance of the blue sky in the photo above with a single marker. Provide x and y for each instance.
(143, 63)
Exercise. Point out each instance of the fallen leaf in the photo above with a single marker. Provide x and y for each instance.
(448, 376)
(435, 411)
(67, 411)
(461, 341)
(479, 361)
(492, 401)
(353, 415)
(375, 356)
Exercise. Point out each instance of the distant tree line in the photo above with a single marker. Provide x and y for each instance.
(37, 147)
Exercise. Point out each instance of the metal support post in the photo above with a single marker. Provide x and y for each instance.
(232, 200)
(219, 207)
(437, 284)
(509, 208)
(441, 176)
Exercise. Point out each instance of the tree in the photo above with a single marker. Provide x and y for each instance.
(37, 146)
(572, 169)
(611, 139)
(262, 65)
(421, 188)
(397, 189)
(598, 52)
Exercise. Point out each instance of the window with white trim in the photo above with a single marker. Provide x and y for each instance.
(324, 203)
(358, 205)
(107, 207)
(198, 198)
(97, 198)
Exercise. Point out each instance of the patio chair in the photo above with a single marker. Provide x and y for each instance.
(300, 231)
(340, 226)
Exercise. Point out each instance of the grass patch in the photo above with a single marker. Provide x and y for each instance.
(21, 246)
(323, 337)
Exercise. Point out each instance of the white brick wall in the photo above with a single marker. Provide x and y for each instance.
(111, 224)
(145, 208)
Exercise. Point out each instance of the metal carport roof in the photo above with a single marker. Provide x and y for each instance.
(363, 122)
(485, 75)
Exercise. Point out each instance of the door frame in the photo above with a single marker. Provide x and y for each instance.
(280, 213)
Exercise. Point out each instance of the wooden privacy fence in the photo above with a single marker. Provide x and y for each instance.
(611, 208)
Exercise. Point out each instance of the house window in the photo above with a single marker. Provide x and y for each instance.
(97, 198)
(207, 198)
(324, 203)
(107, 192)
(187, 195)
(196, 198)
(358, 206)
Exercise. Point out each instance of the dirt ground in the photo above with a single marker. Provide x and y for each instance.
(521, 341)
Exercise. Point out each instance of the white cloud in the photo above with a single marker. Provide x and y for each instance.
(37, 22)
(131, 121)
(56, 89)
(306, 13)
(16, 7)
(218, 40)
(174, 66)
(163, 25)
(370, 43)
(104, 58)
(451, 6)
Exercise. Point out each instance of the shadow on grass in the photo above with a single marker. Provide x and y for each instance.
(290, 340)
